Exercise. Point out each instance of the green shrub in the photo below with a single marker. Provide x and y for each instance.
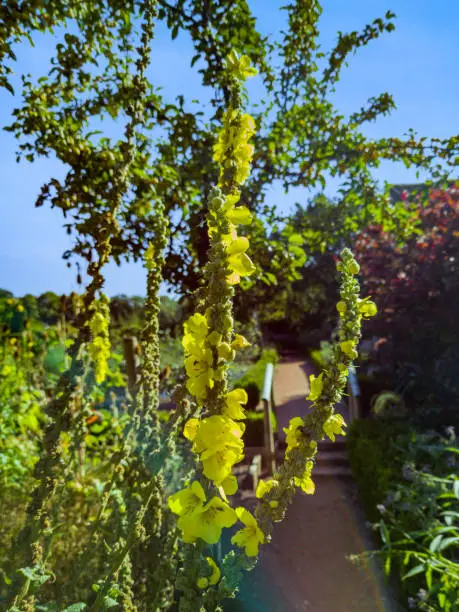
(253, 379)
(374, 461)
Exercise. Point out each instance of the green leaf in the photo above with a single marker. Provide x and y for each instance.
(35, 575)
(447, 542)
(456, 488)
(76, 607)
(418, 569)
(435, 543)
(384, 532)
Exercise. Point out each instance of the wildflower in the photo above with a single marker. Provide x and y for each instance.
(293, 433)
(214, 577)
(229, 485)
(305, 482)
(250, 536)
(334, 425)
(196, 327)
(353, 267)
(187, 500)
(199, 358)
(265, 486)
(218, 463)
(206, 522)
(239, 262)
(239, 67)
(149, 257)
(341, 307)
(367, 308)
(225, 352)
(239, 342)
(315, 387)
(234, 402)
(348, 348)
(218, 441)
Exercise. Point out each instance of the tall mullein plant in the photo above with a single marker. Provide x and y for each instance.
(202, 507)
(34, 540)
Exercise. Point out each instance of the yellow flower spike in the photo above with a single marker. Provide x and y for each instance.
(334, 426)
(234, 402)
(207, 522)
(315, 387)
(264, 486)
(251, 536)
(240, 342)
(348, 348)
(187, 500)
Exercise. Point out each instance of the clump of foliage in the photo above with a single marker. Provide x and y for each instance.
(408, 483)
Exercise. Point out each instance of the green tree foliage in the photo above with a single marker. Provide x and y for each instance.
(301, 140)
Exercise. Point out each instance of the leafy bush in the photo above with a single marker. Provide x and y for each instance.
(253, 379)
(408, 483)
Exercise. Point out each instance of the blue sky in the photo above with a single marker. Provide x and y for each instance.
(417, 64)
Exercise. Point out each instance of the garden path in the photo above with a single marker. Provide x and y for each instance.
(305, 567)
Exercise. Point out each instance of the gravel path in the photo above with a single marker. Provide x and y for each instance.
(305, 566)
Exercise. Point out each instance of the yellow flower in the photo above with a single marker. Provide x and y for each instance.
(218, 441)
(305, 482)
(197, 327)
(229, 486)
(218, 463)
(341, 307)
(225, 352)
(315, 387)
(334, 425)
(187, 500)
(214, 577)
(348, 348)
(367, 308)
(250, 536)
(240, 67)
(239, 215)
(207, 522)
(264, 486)
(293, 435)
(239, 342)
(239, 263)
(20, 308)
(150, 256)
(234, 402)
